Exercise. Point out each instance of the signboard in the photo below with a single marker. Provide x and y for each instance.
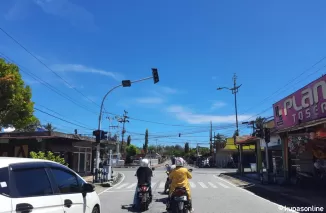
(306, 104)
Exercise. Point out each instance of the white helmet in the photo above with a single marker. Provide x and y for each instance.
(179, 162)
(144, 163)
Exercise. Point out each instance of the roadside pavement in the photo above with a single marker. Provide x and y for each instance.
(284, 196)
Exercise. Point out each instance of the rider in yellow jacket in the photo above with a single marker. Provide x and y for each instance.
(179, 178)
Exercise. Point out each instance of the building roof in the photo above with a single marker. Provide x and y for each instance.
(47, 135)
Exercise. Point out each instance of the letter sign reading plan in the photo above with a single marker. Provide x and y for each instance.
(306, 104)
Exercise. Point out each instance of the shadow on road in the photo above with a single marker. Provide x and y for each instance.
(129, 208)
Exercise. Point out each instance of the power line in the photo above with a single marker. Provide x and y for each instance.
(46, 84)
(60, 114)
(22, 46)
(289, 83)
(61, 119)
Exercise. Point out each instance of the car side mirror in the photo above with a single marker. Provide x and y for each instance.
(190, 170)
(87, 188)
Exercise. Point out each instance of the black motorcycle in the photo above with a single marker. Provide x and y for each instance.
(143, 195)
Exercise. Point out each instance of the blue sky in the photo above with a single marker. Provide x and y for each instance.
(197, 46)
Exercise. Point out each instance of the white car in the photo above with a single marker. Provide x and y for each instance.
(34, 185)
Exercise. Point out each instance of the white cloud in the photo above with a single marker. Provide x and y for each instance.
(184, 114)
(9, 129)
(169, 90)
(84, 69)
(77, 15)
(217, 104)
(150, 100)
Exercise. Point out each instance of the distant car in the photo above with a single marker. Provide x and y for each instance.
(35, 185)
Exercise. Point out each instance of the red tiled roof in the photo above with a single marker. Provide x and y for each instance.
(246, 139)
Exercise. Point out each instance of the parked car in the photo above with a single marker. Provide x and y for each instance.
(28, 185)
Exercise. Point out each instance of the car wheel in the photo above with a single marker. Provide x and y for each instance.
(96, 210)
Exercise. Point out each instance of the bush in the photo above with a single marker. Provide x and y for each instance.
(48, 156)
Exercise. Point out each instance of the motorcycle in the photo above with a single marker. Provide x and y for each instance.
(179, 200)
(143, 196)
(167, 182)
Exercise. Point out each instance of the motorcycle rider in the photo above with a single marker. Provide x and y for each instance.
(144, 175)
(179, 178)
(168, 182)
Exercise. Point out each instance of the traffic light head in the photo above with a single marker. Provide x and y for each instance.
(103, 135)
(155, 75)
(267, 135)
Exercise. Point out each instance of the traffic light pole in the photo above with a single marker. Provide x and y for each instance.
(97, 159)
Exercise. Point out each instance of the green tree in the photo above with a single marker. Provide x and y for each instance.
(49, 127)
(131, 150)
(145, 146)
(48, 156)
(30, 128)
(16, 107)
(187, 148)
(128, 140)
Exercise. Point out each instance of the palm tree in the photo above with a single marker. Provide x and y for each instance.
(260, 122)
(49, 127)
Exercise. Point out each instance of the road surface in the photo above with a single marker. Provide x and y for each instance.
(211, 194)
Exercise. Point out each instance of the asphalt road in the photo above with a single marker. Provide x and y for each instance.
(211, 194)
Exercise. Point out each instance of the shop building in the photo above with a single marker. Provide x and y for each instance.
(300, 120)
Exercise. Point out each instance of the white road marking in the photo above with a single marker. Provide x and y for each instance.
(202, 184)
(121, 191)
(223, 185)
(122, 179)
(161, 186)
(192, 184)
(212, 185)
(121, 186)
(132, 185)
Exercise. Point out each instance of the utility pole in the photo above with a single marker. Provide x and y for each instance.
(235, 90)
(210, 138)
(123, 120)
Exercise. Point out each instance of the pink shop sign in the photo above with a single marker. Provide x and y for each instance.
(306, 104)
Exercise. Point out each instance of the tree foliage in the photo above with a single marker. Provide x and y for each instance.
(186, 148)
(16, 107)
(128, 140)
(260, 122)
(48, 156)
(145, 146)
(49, 127)
(131, 150)
(30, 128)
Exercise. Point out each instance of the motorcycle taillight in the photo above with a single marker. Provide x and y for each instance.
(143, 188)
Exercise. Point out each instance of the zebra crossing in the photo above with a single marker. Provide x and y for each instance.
(193, 185)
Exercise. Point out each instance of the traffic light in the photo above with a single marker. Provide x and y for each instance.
(155, 75)
(126, 83)
(97, 134)
(259, 133)
(267, 134)
(103, 135)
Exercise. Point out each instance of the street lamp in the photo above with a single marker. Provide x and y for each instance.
(234, 90)
(124, 83)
